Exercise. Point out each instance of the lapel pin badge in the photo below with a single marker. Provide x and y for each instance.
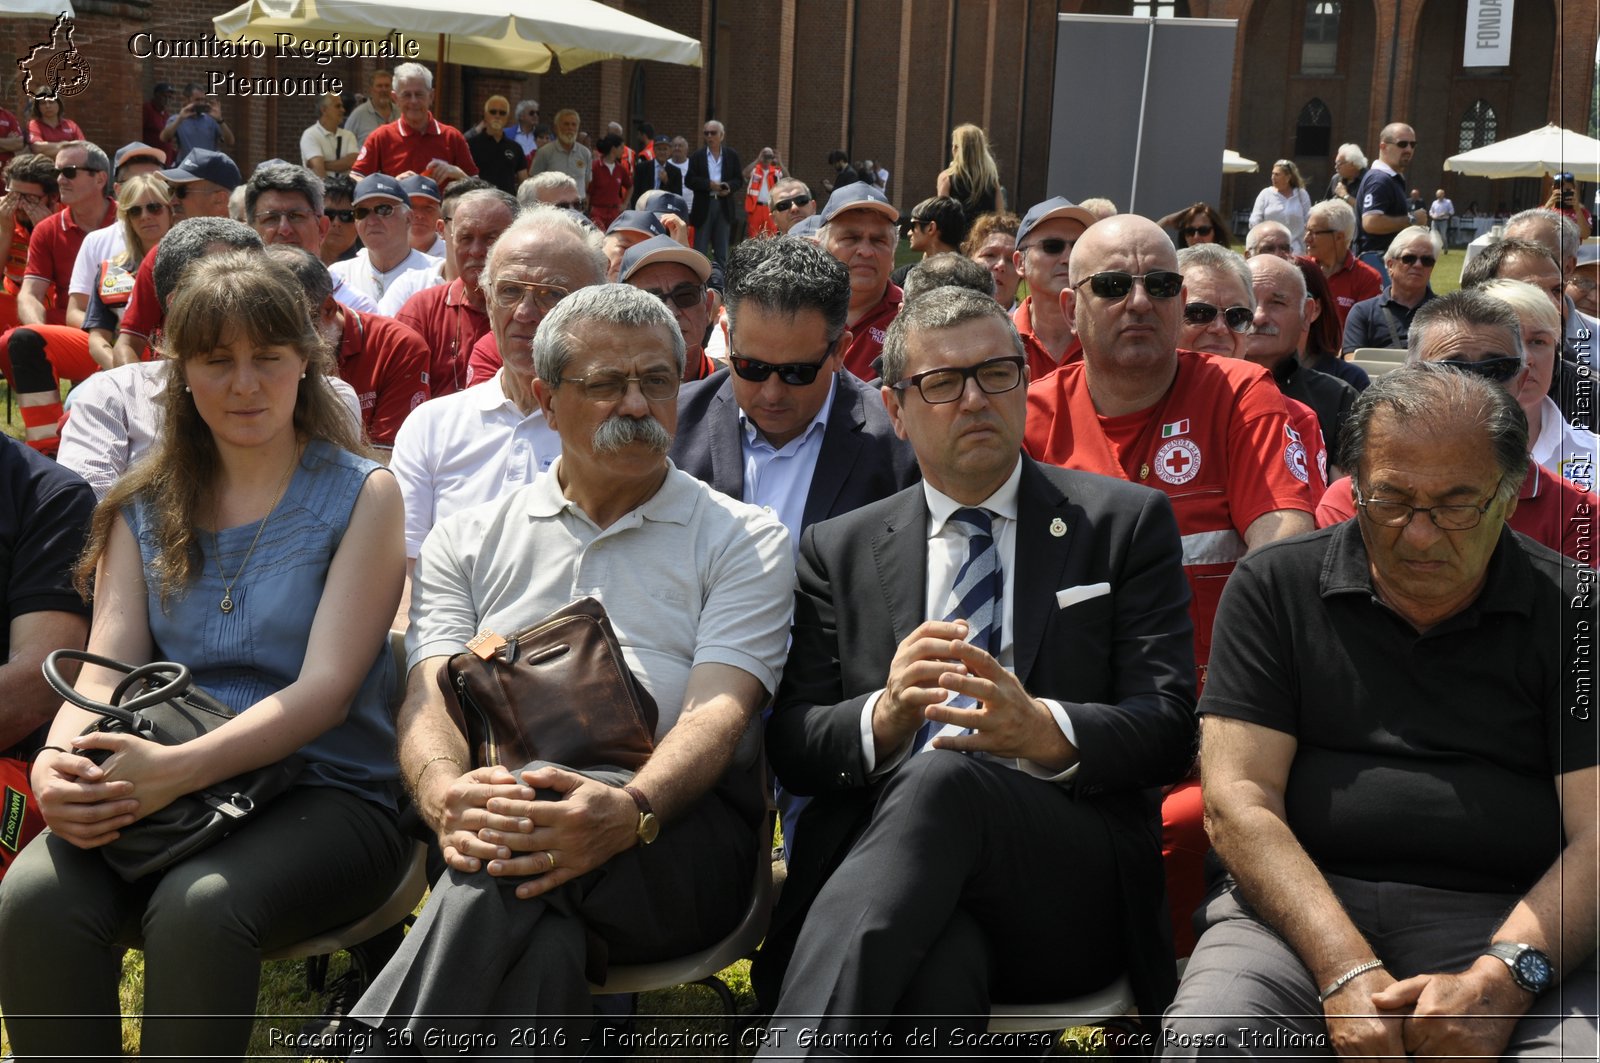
(1058, 527)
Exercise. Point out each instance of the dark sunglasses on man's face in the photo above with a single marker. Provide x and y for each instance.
(1500, 368)
(1411, 260)
(1051, 245)
(1197, 230)
(498, 114)
(684, 296)
(382, 210)
(793, 374)
(345, 216)
(69, 172)
(1237, 318)
(788, 204)
(1115, 284)
(1404, 143)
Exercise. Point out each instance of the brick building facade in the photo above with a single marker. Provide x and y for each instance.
(888, 80)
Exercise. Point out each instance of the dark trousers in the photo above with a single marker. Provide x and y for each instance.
(714, 234)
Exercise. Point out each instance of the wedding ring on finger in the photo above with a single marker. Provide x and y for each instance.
(550, 856)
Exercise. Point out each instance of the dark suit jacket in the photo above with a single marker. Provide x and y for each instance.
(1122, 664)
(861, 459)
(698, 180)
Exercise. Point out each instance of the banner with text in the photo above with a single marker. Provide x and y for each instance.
(1488, 40)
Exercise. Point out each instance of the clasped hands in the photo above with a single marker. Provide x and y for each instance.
(1462, 1016)
(491, 821)
(88, 804)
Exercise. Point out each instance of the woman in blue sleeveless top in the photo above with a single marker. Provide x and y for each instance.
(255, 546)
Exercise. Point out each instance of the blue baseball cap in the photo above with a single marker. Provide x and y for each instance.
(418, 185)
(637, 221)
(859, 196)
(379, 186)
(1049, 210)
(203, 164)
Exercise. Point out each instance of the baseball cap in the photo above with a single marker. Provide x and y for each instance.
(379, 186)
(637, 221)
(1055, 207)
(660, 201)
(1588, 254)
(806, 226)
(138, 149)
(659, 249)
(203, 164)
(1563, 178)
(859, 196)
(418, 185)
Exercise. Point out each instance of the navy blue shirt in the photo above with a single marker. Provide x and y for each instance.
(1385, 193)
(1381, 322)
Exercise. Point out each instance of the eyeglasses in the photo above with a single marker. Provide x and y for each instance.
(345, 216)
(1197, 230)
(1411, 260)
(788, 204)
(1321, 232)
(1271, 249)
(1404, 143)
(498, 113)
(1237, 318)
(33, 200)
(711, 132)
(271, 219)
(508, 294)
(684, 296)
(69, 172)
(1051, 245)
(1389, 514)
(995, 377)
(382, 210)
(138, 210)
(610, 387)
(1499, 368)
(181, 190)
(1115, 284)
(795, 374)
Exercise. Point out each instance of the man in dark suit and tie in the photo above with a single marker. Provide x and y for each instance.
(715, 178)
(989, 673)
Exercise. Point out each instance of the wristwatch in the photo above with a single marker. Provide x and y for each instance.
(649, 826)
(1530, 968)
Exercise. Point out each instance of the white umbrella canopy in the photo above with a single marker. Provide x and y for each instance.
(506, 34)
(36, 9)
(1544, 151)
(1233, 162)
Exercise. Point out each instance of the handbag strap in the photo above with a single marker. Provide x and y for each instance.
(175, 681)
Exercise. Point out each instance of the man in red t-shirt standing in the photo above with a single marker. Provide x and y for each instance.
(859, 228)
(416, 142)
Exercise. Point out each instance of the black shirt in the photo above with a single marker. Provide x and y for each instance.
(1328, 396)
(498, 161)
(1427, 759)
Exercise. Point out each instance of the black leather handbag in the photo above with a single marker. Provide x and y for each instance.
(160, 703)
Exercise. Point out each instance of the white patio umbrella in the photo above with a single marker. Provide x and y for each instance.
(1233, 162)
(506, 34)
(1544, 151)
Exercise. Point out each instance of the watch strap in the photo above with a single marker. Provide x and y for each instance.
(640, 801)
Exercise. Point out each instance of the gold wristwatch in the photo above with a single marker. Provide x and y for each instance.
(649, 826)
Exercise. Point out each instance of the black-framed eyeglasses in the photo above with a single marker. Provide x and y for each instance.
(138, 210)
(611, 387)
(1404, 143)
(69, 172)
(382, 210)
(996, 376)
(1501, 368)
(1411, 260)
(684, 296)
(33, 199)
(1321, 232)
(334, 214)
(1115, 284)
(1459, 517)
(782, 205)
(271, 219)
(1197, 230)
(508, 293)
(180, 190)
(795, 374)
(1237, 318)
(1050, 245)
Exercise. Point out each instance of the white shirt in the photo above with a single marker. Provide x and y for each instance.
(330, 145)
(778, 479)
(947, 550)
(524, 141)
(345, 295)
(98, 246)
(407, 286)
(464, 449)
(688, 193)
(1563, 449)
(1441, 209)
(714, 166)
(359, 273)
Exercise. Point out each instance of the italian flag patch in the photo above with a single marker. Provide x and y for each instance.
(1176, 428)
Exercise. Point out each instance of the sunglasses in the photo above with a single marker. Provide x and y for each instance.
(498, 114)
(684, 296)
(69, 172)
(1411, 260)
(1500, 368)
(1404, 143)
(1321, 232)
(788, 204)
(796, 375)
(1051, 245)
(1237, 318)
(1115, 284)
(345, 216)
(382, 210)
(1197, 230)
(138, 210)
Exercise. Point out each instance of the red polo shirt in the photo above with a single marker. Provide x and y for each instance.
(396, 148)
(9, 127)
(53, 248)
(1354, 282)
(143, 314)
(387, 365)
(1040, 364)
(449, 325)
(868, 332)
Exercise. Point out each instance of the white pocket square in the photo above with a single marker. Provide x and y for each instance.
(1082, 593)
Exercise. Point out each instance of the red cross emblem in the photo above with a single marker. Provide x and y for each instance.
(1178, 461)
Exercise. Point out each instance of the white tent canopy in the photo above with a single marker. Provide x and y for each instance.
(1544, 151)
(1233, 162)
(520, 35)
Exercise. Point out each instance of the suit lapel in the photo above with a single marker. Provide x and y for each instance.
(1040, 559)
(841, 442)
(900, 551)
(727, 453)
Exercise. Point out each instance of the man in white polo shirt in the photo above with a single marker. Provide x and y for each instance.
(383, 219)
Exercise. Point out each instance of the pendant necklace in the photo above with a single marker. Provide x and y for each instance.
(226, 605)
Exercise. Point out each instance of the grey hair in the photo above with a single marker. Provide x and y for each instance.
(1296, 280)
(1409, 233)
(946, 270)
(940, 308)
(786, 275)
(524, 105)
(283, 177)
(528, 191)
(1215, 258)
(1338, 214)
(414, 70)
(1261, 228)
(562, 331)
(189, 240)
(1570, 237)
(550, 225)
(312, 276)
(487, 195)
(1432, 399)
(98, 159)
(1464, 309)
(1487, 263)
(790, 182)
(1351, 153)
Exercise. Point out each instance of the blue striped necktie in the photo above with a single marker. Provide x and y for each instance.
(976, 597)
